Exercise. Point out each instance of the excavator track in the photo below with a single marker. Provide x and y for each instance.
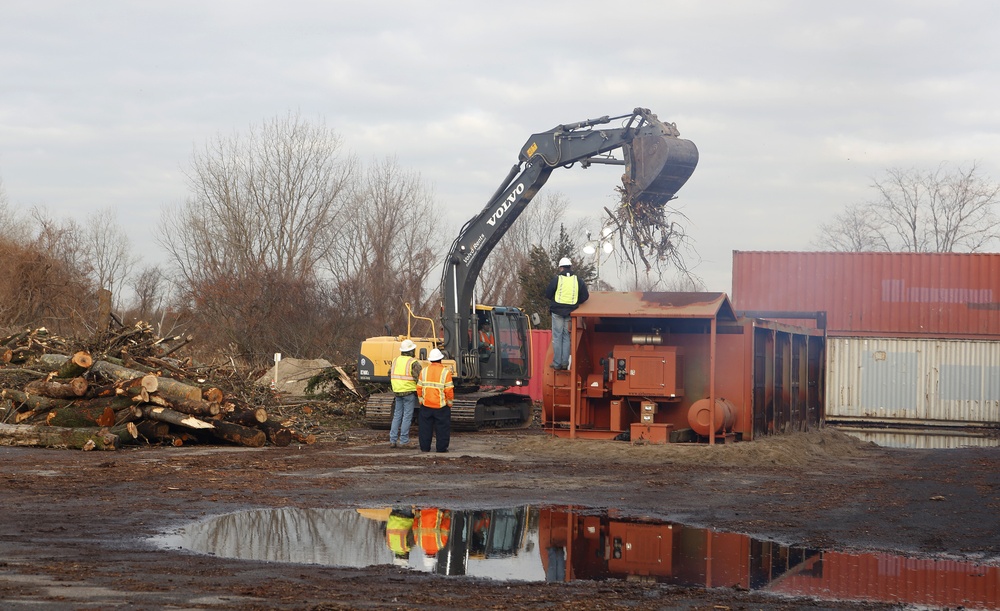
(469, 412)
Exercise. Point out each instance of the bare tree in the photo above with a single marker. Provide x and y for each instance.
(386, 256)
(943, 210)
(538, 225)
(107, 249)
(265, 209)
(853, 230)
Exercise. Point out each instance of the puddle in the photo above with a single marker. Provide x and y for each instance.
(565, 544)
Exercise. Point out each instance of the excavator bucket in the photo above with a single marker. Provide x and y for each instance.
(656, 167)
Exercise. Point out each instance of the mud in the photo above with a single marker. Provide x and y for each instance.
(75, 525)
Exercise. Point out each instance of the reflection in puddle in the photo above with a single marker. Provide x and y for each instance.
(565, 544)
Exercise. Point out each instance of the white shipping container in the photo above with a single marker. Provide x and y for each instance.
(913, 381)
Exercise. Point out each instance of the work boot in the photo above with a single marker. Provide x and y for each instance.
(392, 444)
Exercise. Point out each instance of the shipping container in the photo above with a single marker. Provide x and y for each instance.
(941, 295)
(913, 381)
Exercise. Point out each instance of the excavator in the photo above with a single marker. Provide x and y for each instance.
(657, 163)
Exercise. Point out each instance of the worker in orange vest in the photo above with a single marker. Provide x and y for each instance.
(486, 341)
(431, 527)
(436, 392)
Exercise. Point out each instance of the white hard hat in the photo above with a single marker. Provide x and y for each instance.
(400, 561)
(565, 262)
(435, 355)
(430, 562)
(407, 346)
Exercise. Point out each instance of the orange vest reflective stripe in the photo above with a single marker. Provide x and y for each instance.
(431, 528)
(435, 387)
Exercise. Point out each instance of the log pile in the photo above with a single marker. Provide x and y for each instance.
(124, 389)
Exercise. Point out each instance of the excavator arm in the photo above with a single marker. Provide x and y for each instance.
(657, 163)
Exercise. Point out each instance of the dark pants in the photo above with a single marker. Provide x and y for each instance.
(435, 422)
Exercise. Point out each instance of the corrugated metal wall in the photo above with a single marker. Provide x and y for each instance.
(954, 295)
(934, 381)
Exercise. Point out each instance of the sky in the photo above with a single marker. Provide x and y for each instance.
(795, 106)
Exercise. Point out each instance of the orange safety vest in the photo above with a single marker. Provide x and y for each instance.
(486, 339)
(435, 387)
(431, 528)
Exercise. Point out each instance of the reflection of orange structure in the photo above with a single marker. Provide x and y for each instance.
(598, 547)
(888, 578)
(652, 364)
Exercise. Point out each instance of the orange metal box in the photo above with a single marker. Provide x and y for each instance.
(651, 433)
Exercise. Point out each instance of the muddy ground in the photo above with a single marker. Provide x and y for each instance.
(74, 524)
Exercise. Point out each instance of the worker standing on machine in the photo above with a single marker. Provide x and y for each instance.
(565, 293)
(403, 377)
(436, 391)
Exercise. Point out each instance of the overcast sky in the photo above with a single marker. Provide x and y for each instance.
(794, 105)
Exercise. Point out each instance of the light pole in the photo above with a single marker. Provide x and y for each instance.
(600, 247)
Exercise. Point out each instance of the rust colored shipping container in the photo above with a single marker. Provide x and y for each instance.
(941, 295)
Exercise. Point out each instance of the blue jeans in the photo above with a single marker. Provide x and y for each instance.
(560, 341)
(402, 416)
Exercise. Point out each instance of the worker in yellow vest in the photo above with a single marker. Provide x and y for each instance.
(399, 534)
(565, 292)
(436, 391)
(403, 377)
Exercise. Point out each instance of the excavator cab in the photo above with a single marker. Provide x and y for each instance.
(500, 350)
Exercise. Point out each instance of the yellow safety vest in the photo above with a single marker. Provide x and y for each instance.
(397, 531)
(402, 376)
(567, 290)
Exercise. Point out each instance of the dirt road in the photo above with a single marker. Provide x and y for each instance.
(75, 524)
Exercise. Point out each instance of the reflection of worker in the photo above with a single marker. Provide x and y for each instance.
(403, 376)
(431, 527)
(436, 391)
(399, 534)
(565, 292)
(486, 341)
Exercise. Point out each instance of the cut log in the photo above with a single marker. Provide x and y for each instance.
(140, 387)
(26, 405)
(165, 414)
(80, 417)
(238, 434)
(168, 387)
(57, 437)
(213, 395)
(276, 432)
(153, 430)
(75, 365)
(58, 389)
(129, 432)
(248, 416)
(186, 406)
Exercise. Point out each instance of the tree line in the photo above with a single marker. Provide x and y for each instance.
(286, 243)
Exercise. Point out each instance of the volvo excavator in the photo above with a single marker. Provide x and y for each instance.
(657, 164)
